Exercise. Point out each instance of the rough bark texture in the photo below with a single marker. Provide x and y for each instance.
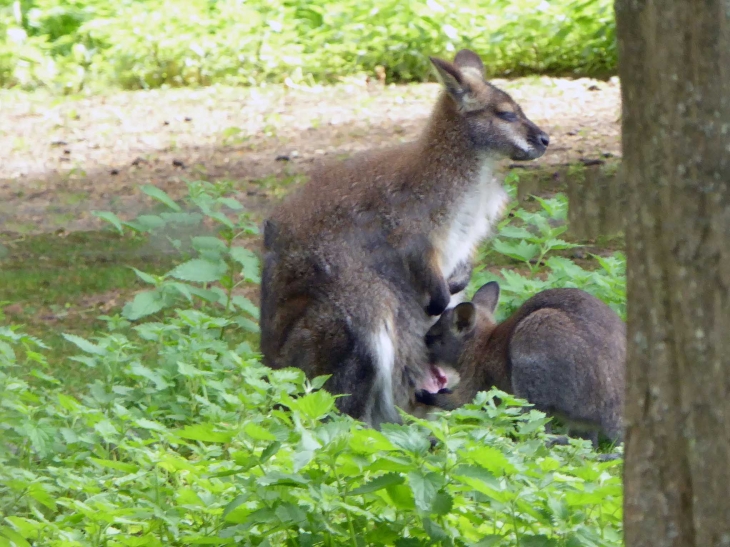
(674, 58)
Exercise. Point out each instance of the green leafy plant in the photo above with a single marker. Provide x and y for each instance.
(71, 45)
(530, 239)
(236, 453)
(186, 438)
(220, 267)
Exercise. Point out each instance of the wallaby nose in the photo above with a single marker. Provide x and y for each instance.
(544, 139)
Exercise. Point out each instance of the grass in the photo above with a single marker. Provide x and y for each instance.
(56, 283)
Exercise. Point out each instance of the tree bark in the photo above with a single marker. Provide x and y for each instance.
(674, 64)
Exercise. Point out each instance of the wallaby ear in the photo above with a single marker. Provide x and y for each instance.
(487, 296)
(466, 58)
(464, 318)
(450, 77)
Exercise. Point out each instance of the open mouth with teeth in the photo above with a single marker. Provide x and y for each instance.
(436, 380)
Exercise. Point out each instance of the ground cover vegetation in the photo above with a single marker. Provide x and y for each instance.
(134, 409)
(173, 433)
(70, 46)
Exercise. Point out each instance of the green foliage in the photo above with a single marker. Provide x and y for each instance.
(191, 447)
(185, 438)
(69, 45)
(219, 260)
(530, 239)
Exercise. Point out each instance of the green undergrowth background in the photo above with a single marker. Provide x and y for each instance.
(171, 431)
(73, 45)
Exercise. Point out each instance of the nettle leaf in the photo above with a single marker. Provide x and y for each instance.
(231, 203)
(144, 304)
(306, 449)
(538, 541)
(559, 244)
(207, 540)
(246, 324)
(249, 262)
(231, 508)
(491, 459)
(205, 433)
(11, 538)
(257, 432)
(107, 430)
(209, 295)
(111, 218)
(473, 472)
(277, 478)
(38, 492)
(84, 344)
(434, 531)
(222, 218)
(147, 278)
(406, 437)
(319, 381)
(119, 466)
(314, 405)
(160, 196)
(379, 483)
(519, 251)
(246, 305)
(208, 243)
(182, 288)
(289, 514)
(401, 496)
(489, 541)
(144, 423)
(149, 223)
(424, 487)
(27, 527)
(269, 451)
(516, 232)
(187, 219)
(191, 371)
(442, 503)
(68, 402)
(153, 376)
(369, 441)
(200, 270)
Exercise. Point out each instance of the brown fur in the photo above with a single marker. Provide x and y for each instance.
(563, 350)
(358, 259)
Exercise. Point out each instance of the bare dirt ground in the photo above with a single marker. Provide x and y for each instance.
(60, 159)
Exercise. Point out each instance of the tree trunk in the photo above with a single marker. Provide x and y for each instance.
(674, 64)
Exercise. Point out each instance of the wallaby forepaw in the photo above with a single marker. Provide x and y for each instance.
(438, 304)
(425, 397)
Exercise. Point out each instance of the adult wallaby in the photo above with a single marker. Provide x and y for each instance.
(359, 259)
(563, 350)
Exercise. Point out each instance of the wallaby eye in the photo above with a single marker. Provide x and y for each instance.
(507, 116)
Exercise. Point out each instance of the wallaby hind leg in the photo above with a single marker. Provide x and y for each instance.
(552, 369)
(321, 343)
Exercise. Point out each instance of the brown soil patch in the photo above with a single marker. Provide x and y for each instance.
(63, 158)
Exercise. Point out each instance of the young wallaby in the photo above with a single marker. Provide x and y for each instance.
(360, 259)
(563, 350)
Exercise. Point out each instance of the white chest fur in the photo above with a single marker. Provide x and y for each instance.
(472, 219)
